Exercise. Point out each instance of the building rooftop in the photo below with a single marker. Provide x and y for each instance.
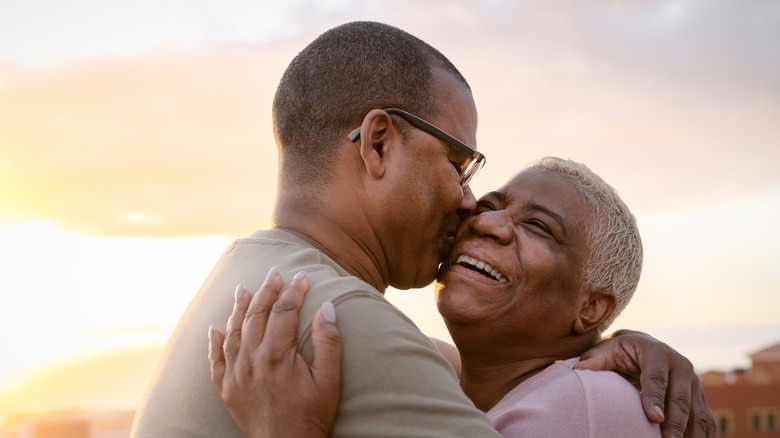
(767, 354)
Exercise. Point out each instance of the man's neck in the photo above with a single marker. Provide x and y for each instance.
(339, 238)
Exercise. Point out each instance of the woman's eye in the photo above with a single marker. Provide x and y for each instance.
(540, 225)
(483, 207)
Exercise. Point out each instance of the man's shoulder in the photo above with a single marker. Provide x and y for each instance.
(180, 400)
(270, 240)
(248, 259)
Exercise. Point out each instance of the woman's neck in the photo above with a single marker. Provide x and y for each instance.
(487, 384)
(490, 370)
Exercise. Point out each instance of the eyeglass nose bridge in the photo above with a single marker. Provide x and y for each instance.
(472, 169)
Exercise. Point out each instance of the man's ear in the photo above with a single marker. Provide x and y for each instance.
(595, 309)
(377, 133)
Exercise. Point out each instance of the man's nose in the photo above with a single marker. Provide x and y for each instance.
(468, 204)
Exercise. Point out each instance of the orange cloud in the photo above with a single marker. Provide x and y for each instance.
(178, 142)
(169, 143)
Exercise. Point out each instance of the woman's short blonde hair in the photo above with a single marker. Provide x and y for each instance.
(615, 260)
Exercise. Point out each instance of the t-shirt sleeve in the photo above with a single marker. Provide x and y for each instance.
(395, 382)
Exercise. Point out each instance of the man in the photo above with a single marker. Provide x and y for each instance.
(545, 264)
(369, 195)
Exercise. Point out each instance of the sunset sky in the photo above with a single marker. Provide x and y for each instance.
(136, 143)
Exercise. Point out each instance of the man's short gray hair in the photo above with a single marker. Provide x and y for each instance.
(615, 260)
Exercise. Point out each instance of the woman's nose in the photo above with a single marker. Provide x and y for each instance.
(494, 224)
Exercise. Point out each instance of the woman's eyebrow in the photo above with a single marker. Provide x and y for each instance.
(497, 195)
(532, 206)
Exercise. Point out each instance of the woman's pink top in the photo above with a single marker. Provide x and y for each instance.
(564, 402)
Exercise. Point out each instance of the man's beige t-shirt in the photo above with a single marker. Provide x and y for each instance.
(394, 383)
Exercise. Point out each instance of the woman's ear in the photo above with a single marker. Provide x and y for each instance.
(377, 134)
(597, 307)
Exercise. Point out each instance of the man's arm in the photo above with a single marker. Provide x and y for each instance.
(671, 393)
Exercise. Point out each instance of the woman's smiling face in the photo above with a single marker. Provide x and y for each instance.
(516, 267)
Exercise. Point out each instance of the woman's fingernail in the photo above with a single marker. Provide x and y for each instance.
(211, 332)
(240, 291)
(299, 276)
(328, 312)
(658, 411)
(271, 274)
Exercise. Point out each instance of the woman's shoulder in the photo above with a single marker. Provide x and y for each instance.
(615, 403)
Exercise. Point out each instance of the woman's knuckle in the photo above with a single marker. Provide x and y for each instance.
(283, 306)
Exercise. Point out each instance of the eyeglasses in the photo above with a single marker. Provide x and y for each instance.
(473, 160)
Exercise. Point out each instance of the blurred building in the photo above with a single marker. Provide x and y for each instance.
(61, 428)
(69, 424)
(746, 403)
